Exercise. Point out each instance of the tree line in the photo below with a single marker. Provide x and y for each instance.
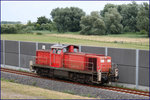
(113, 19)
(10, 22)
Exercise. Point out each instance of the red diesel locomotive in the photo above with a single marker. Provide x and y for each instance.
(65, 61)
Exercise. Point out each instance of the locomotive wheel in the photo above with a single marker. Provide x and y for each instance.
(75, 78)
(104, 80)
(88, 79)
(80, 78)
(39, 72)
(51, 73)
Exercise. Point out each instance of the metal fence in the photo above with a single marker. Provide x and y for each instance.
(133, 63)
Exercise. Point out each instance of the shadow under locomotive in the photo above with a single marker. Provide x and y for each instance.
(66, 62)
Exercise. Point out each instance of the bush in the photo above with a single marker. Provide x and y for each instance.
(18, 28)
(38, 33)
(37, 26)
(45, 27)
(143, 32)
(27, 29)
(8, 29)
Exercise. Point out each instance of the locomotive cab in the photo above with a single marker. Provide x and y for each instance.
(57, 52)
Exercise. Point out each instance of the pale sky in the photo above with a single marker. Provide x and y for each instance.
(30, 10)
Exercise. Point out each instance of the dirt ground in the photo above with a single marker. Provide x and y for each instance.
(11, 90)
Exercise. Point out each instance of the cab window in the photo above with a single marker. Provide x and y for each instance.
(64, 50)
(58, 51)
(75, 50)
(54, 51)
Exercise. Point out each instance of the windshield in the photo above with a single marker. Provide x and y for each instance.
(56, 51)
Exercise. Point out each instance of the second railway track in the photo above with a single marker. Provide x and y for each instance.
(111, 88)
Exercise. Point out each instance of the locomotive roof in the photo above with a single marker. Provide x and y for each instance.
(60, 46)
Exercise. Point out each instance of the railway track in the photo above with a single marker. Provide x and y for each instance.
(110, 88)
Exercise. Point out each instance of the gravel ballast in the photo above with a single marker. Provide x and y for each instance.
(69, 88)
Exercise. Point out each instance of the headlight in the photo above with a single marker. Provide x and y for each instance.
(102, 60)
(108, 60)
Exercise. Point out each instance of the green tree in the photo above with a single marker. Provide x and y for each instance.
(53, 26)
(129, 13)
(143, 18)
(10, 22)
(112, 20)
(42, 20)
(29, 23)
(37, 26)
(67, 19)
(92, 24)
(107, 6)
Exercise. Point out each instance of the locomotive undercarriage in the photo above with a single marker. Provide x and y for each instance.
(76, 76)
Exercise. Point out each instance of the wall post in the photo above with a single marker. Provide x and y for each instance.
(137, 68)
(80, 48)
(3, 53)
(106, 51)
(36, 45)
(19, 53)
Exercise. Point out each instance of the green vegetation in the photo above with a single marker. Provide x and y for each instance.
(10, 22)
(15, 28)
(143, 19)
(2, 79)
(124, 87)
(102, 41)
(129, 13)
(93, 24)
(53, 32)
(69, 92)
(34, 83)
(113, 19)
(129, 35)
(123, 18)
(67, 19)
